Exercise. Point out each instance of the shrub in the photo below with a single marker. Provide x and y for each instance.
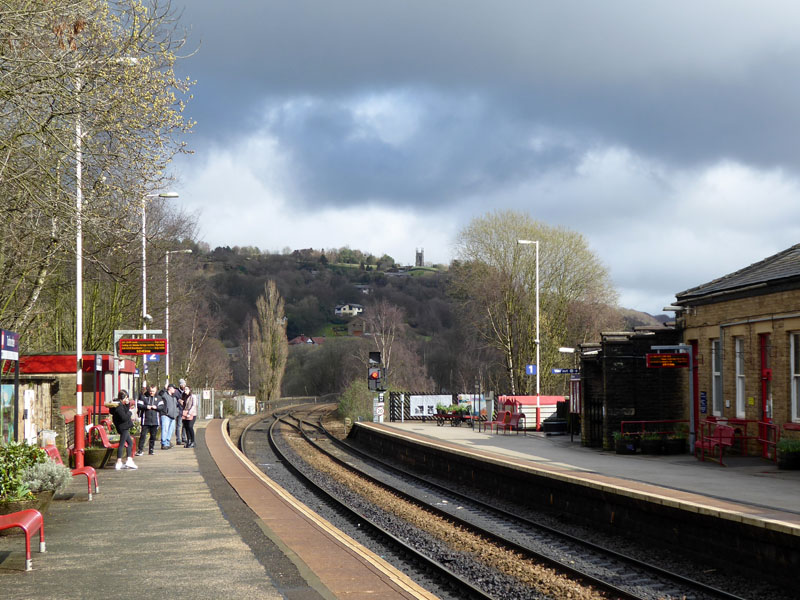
(15, 459)
(47, 476)
(789, 445)
(356, 402)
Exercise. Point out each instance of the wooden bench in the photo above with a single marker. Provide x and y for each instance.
(89, 472)
(720, 438)
(30, 521)
(503, 419)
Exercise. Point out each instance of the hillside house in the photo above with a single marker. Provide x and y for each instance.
(348, 310)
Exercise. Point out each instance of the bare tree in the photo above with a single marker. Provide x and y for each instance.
(88, 89)
(384, 321)
(495, 282)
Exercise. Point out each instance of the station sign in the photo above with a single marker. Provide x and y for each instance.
(565, 371)
(9, 345)
(676, 360)
(142, 346)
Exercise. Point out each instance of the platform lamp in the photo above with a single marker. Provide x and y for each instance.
(166, 287)
(146, 318)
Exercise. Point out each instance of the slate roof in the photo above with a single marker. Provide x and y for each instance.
(772, 270)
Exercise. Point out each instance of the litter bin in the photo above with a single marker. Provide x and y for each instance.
(47, 437)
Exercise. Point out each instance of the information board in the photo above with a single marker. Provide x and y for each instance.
(140, 346)
(676, 360)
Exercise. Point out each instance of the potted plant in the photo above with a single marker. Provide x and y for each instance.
(652, 443)
(15, 459)
(624, 443)
(788, 453)
(675, 442)
(96, 455)
(45, 480)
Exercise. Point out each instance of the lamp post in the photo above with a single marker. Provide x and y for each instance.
(79, 442)
(145, 317)
(166, 287)
(538, 366)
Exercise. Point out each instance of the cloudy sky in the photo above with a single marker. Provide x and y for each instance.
(668, 134)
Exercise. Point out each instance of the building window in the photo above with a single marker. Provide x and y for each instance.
(740, 399)
(716, 379)
(795, 358)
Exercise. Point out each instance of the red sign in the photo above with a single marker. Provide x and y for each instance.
(139, 346)
(668, 361)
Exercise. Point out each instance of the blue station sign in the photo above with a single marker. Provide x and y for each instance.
(9, 345)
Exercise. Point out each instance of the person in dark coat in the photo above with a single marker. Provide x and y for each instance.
(122, 417)
(150, 406)
(169, 412)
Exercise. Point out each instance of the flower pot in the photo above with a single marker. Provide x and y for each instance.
(96, 457)
(652, 446)
(625, 446)
(788, 460)
(675, 446)
(40, 502)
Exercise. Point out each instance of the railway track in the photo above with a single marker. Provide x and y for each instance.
(617, 575)
(448, 578)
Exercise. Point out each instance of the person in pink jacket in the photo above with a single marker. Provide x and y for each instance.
(189, 415)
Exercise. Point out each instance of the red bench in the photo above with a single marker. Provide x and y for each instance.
(89, 472)
(503, 419)
(720, 438)
(30, 521)
(100, 432)
(513, 423)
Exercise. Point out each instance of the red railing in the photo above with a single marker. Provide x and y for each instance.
(764, 434)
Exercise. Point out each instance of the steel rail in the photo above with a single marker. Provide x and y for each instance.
(453, 579)
(634, 562)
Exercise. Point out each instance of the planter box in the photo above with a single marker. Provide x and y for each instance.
(652, 446)
(675, 446)
(789, 460)
(40, 503)
(625, 446)
(96, 457)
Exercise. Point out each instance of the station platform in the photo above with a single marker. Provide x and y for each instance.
(192, 524)
(749, 486)
(154, 532)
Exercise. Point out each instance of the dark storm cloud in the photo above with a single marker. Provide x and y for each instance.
(630, 122)
(454, 147)
(686, 82)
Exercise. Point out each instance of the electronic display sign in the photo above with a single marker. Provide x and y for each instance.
(141, 346)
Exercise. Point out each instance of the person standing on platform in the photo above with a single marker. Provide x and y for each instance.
(169, 412)
(189, 415)
(149, 407)
(180, 433)
(122, 417)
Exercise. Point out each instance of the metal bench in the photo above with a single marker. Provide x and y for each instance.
(89, 472)
(100, 432)
(503, 419)
(513, 422)
(720, 438)
(30, 521)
